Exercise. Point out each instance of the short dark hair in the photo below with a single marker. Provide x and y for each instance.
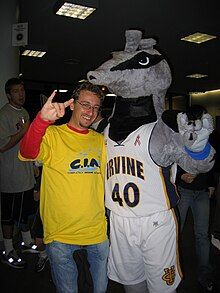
(87, 86)
(195, 112)
(10, 83)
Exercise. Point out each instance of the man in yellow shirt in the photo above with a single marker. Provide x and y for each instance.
(72, 186)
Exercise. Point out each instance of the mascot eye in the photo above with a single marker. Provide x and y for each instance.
(144, 61)
(139, 61)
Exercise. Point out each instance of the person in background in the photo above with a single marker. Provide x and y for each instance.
(100, 123)
(72, 186)
(103, 116)
(216, 222)
(16, 177)
(215, 207)
(195, 192)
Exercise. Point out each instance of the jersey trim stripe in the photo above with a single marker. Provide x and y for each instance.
(170, 190)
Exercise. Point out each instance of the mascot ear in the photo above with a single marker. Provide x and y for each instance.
(133, 38)
(115, 54)
(146, 44)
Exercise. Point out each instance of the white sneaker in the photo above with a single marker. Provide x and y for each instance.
(13, 260)
(31, 248)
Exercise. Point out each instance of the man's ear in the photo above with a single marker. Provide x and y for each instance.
(8, 96)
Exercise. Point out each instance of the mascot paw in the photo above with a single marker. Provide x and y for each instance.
(207, 122)
(186, 129)
(195, 134)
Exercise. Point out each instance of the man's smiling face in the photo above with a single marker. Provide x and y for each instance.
(85, 110)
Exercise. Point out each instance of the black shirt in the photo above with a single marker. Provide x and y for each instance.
(201, 182)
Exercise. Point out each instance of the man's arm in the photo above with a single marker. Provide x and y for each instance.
(50, 112)
(15, 138)
(30, 144)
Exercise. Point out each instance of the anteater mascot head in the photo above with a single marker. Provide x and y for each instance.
(139, 76)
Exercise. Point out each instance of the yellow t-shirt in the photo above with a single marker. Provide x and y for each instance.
(72, 186)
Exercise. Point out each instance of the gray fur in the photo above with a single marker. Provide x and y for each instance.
(166, 146)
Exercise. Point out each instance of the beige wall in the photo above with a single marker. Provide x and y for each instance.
(9, 55)
(179, 102)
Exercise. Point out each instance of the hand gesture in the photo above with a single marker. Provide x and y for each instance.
(36, 195)
(188, 178)
(53, 111)
(211, 191)
(23, 126)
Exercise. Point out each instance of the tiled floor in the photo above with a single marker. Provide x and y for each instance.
(16, 281)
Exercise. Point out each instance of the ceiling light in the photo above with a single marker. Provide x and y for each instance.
(197, 75)
(61, 91)
(198, 38)
(33, 53)
(75, 8)
(196, 93)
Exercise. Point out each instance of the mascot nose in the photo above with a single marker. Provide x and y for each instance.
(191, 136)
(91, 77)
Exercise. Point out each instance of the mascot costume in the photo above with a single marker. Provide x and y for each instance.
(144, 144)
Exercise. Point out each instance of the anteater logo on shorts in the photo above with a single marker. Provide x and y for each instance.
(169, 275)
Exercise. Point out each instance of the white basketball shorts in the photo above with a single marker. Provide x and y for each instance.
(145, 248)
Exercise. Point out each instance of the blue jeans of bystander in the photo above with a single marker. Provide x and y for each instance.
(64, 269)
(198, 201)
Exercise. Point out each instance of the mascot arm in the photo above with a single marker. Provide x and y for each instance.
(168, 146)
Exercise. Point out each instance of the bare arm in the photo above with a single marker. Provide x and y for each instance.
(15, 138)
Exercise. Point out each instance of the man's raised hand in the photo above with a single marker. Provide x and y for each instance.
(53, 111)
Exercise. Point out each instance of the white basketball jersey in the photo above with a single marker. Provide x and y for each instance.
(135, 185)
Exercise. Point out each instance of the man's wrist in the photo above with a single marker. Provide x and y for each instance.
(42, 122)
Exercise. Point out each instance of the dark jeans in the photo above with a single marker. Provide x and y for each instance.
(199, 203)
(216, 224)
